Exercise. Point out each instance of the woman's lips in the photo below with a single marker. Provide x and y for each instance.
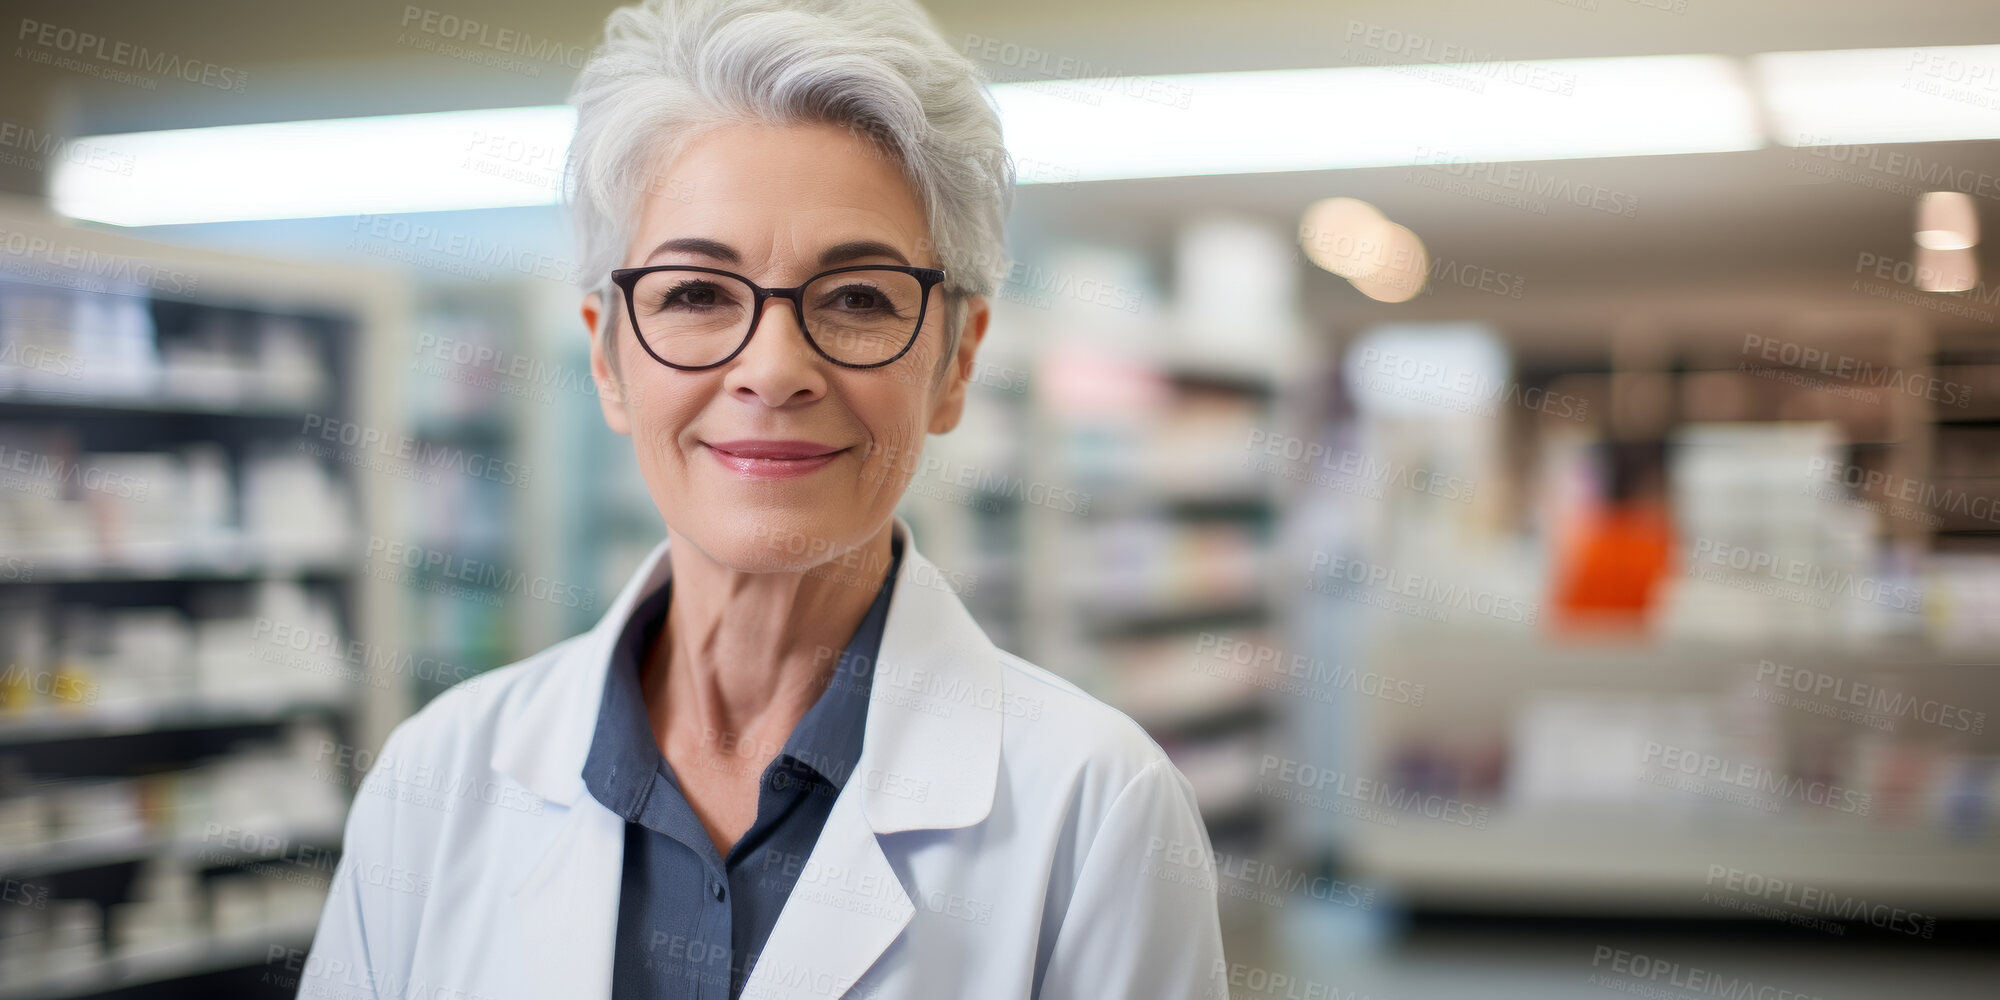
(760, 459)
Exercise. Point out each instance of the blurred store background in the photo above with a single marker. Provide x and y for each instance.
(1546, 497)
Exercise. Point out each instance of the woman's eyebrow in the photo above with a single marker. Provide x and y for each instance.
(702, 245)
(841, 253)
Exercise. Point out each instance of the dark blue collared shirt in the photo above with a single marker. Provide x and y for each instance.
(691, 922)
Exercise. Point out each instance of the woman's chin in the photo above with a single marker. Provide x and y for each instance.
(766, 544)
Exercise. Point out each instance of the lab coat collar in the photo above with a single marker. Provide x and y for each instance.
(931, 751)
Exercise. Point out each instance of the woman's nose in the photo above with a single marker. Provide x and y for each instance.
(777, 367)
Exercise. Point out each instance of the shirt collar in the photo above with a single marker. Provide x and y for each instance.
(624, 756)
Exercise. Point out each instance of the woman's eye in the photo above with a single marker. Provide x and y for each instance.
(690, 294)
(860, 298)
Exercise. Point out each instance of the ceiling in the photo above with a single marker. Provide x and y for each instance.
(1714, 238)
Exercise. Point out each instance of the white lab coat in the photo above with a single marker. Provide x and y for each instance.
(1003, 835)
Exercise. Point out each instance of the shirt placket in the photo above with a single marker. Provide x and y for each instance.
(709, 973)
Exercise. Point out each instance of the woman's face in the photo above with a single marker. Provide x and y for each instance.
(780, 460)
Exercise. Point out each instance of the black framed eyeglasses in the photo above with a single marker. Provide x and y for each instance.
(693, 318)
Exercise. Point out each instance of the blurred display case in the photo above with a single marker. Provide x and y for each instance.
(194, 654)
(1098, 491)
(1799, 690)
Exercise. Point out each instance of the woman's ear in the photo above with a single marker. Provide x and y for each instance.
(602, 323)
(950, 405)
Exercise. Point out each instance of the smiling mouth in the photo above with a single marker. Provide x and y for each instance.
(771, 459)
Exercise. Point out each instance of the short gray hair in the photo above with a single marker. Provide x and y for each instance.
(669, 69)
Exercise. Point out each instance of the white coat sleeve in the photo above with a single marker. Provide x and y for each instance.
(1142, 923)
(354, 956)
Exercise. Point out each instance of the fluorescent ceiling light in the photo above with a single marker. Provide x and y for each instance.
(1104, 128)
(1377, 116)
(1861, 96)
(497, 158)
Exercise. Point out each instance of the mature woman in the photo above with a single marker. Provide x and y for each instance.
(787, 763)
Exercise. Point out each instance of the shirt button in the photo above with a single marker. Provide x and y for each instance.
(718, 891)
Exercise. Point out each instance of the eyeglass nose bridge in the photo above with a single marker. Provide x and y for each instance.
(760, 295)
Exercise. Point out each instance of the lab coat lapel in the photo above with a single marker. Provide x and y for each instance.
(846, 909)
(929, 760)
(565, 913)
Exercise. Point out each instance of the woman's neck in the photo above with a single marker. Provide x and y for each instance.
(743, 656)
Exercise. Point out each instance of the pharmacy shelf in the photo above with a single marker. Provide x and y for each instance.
(173, 962)
(216, 567)
(1187, 526)
(333, 333)
(1638, 857)
(20, 399)
(1631, 861)
(148, 719)
(127, 848)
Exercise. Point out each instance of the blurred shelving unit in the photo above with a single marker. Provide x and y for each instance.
(196, 665)
(1581, 825)
(1114, 527)
(1557, 736)
(470, 386)
(586, 518)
